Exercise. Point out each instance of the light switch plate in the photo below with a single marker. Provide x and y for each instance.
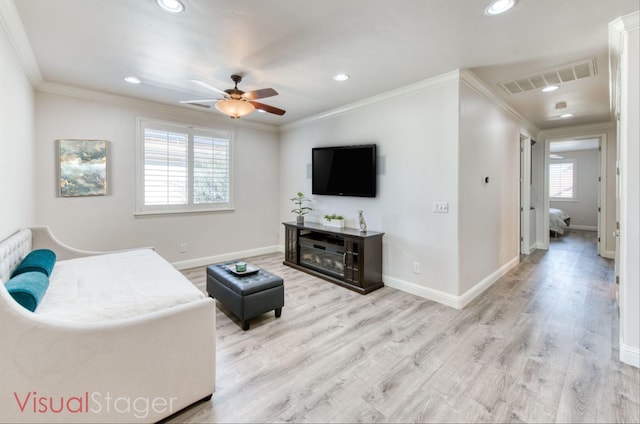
(440, 207)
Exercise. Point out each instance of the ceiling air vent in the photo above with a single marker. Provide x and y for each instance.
(555, 76)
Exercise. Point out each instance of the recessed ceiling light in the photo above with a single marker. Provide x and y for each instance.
(132, 80)
(172, 6)
(566, 115)
(499, 6)
(550, 88)
(341, 77)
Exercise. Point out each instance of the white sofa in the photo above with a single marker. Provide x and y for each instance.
(62, 363)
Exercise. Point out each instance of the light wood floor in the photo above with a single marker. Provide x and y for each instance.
(541, 345)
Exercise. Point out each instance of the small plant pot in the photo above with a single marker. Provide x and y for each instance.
(300, 219)
(337, 223)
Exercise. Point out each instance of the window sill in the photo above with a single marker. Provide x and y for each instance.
(551, 199)
(182, 212)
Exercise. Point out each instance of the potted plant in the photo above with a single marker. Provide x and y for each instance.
(301, 210)
(334, 220)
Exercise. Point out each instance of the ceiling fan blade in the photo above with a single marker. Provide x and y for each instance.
(199, 101)
(210, 87)
(268, 108)
(202, 105)
(260, 94)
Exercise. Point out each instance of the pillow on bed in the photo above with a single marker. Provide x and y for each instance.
(28, 288)
(40, 260)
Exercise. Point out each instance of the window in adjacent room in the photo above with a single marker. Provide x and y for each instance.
(182, 168)
(562, 180)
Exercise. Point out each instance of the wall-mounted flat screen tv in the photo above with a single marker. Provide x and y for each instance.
(344, 170)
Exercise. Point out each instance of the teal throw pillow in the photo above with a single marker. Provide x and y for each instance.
(40, 260)
(28, 288)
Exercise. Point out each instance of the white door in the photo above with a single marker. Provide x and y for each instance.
(616, 232)
(525, 193)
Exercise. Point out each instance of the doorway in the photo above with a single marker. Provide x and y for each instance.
(575, 187)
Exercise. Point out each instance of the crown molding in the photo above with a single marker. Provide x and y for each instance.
(617, 29)
(459, 75)
(472, 81)
(627, 23)
(438, 81)
(12, 24)
(147, 105)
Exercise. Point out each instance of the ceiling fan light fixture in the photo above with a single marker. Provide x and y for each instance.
(234, 108)
(171, 6)
(499, 6)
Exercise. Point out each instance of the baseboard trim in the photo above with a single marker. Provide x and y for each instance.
(449, 299)
(629, 355)
(487, 282)
(192, 263)
(422, 291)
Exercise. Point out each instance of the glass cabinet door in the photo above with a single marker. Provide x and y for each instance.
(352, 261)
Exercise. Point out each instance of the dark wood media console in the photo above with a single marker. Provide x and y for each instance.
(344, 256)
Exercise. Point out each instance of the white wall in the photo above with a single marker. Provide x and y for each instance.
(17, 208)
(108, 222)
(630, 194)
(436, 140)
(489, 225)
(416, 136)
(584, 210)
(624, 37)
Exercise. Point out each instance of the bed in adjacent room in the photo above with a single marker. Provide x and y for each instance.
(559, 220)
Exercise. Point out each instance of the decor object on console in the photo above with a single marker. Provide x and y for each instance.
(83, 167)
(300, 209)
(334, 221)
(362, 222)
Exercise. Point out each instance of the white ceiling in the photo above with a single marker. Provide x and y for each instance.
(297, 46)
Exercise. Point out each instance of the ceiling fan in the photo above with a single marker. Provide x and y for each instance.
(236, 103)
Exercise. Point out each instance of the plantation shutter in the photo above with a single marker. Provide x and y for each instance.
(211, 169)
(182, 169)
(166, 165)
(561, 180)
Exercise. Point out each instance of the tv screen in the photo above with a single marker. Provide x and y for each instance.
(344, 170)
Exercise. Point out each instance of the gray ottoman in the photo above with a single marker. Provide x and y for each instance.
(247, 296)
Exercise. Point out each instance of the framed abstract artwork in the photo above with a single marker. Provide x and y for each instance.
(83, 167)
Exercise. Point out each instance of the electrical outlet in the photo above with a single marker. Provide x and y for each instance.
(440, 207)
(183, 247)
(416, 267)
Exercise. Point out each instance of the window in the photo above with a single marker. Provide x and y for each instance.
(562, 180)
(182, 169)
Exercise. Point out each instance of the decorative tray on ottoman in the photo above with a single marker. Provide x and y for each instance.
(251, 269)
